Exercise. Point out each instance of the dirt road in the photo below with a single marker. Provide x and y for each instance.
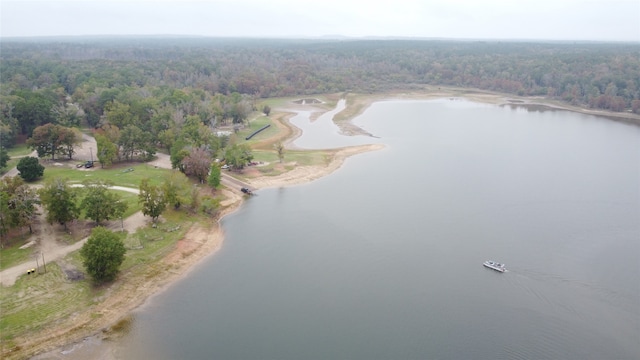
(51, 250)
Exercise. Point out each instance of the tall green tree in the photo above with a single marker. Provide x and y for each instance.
(179, 151)
(68, 115)
(152, 199)
(107, 151)
(103, 254)
(30, 168)
(176, 189)
(8, 123)
(131, 138)
(4, 157)
(238, 155)
(9, 186)
(99, 203)
(119, 114)
(5, 220)
(33, 109)
(59, 199)
(22, 204)
(215, 176)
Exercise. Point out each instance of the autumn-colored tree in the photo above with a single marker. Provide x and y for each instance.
(197, 164)
(50, 139)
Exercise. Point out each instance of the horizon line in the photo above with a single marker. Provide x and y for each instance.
(308, 37)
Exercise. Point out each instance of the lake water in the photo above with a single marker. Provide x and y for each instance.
(383, 259)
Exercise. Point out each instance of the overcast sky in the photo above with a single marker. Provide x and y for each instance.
(617, 20)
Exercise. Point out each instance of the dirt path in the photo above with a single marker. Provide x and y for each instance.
(50, 249)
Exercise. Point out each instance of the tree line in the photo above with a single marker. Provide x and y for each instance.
(145, 95)
(600, 75)
(64, 203)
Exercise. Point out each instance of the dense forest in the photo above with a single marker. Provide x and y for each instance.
(151, 88)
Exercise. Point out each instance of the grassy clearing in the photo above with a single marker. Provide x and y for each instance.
(129, 198)
(38, 299)
(12, 255)
(19, 150)
(10, 165)
(255, 125)
(148, 244)
(272, 166)
(118, 175)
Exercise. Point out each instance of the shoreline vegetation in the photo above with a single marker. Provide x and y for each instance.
(87, 332)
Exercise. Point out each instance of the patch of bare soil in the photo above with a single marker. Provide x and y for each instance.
(305, 174)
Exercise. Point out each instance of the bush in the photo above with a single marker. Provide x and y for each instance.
(30, 168)
(103, 254)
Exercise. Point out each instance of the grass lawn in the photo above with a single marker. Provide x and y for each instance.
(117, 175)
(11, 255)
(34, 300)
(19, 150)
(255, 125)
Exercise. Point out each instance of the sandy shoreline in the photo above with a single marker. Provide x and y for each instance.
(87, 336)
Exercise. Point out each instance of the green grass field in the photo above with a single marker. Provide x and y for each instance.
(19, 150)
(117, 175)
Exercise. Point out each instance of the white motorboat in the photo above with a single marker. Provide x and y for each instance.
(495, 266)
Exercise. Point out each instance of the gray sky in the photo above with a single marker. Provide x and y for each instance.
(617, 20)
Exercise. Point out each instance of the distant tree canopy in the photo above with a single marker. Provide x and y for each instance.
(157, 91)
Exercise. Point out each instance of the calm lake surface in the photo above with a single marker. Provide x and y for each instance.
(383, 259)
